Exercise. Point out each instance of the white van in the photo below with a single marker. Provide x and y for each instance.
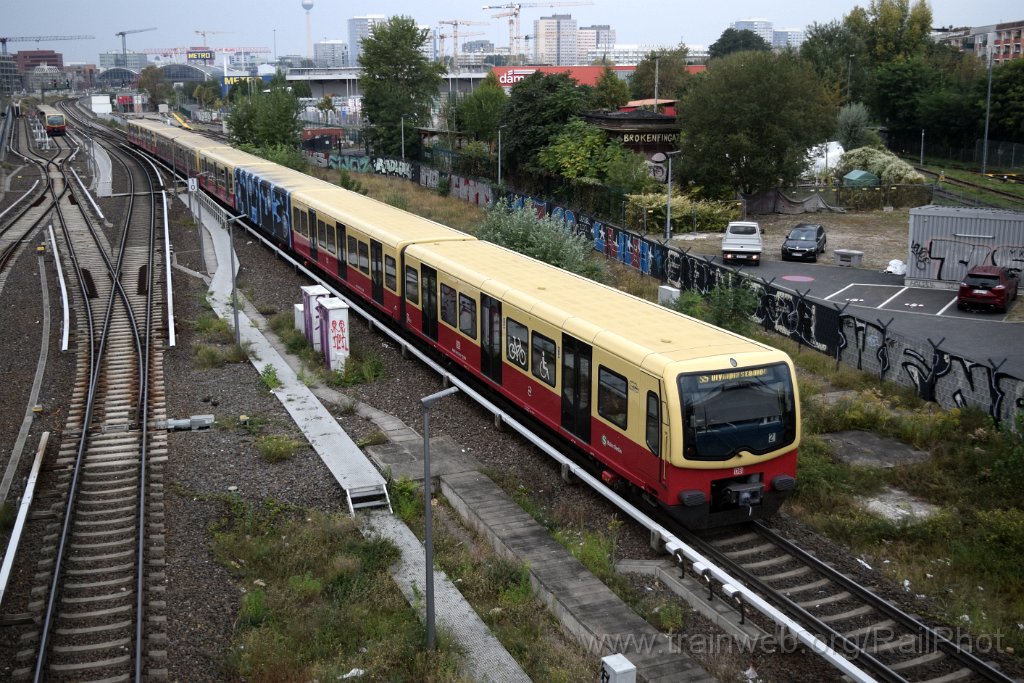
(742, 242)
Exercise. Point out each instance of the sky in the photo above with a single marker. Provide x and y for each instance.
(281, 24)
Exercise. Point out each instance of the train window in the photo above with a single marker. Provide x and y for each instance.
(304, 224)
(297, 221)
(449, 306)
(353, 251)
(517, 337)
(543, 359)
(364, 258)
(412, 285)
(390, 273)
(653, 428)
(332, 242)
(612, 399)
(467, 316)
(321, 234)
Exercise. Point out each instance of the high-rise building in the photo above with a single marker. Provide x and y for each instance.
(330, 53)
(787, 37)
(759, 27)
(594, 39)
(30, 59)
(359, 28)
(555, 40)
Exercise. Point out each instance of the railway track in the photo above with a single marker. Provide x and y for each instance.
(966, 184)
(96, 612)
(879, 637)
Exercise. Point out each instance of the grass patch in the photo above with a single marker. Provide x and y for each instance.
(498, 589)
(276, 448)
(213, 328)
(319, 601)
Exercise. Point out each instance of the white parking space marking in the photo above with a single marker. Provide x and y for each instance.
(946, 307)
(882, 305)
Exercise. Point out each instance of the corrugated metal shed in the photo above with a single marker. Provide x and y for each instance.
(945, 242)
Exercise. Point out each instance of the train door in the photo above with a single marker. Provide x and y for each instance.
(313, 236)
(490, 338)
(576, 359)
(428, 285)
(656, 429)
(342, 263)
(377, 271)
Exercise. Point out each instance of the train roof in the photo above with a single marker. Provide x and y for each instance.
(641, 332)
(165, 131)
(386, 223)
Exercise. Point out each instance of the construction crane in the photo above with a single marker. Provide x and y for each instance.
(124, 44)
(513, 20)
(455, 23)
(443, 36)
(200, 32)
(36, 39)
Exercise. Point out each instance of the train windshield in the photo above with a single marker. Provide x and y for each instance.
(726, 412)
(56, 120)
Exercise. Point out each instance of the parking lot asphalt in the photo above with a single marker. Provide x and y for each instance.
(918, 313)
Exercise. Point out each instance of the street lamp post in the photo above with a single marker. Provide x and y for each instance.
(403, 137)
(668, 204)
(849, 77)
(988, 107)
(499, 155)
(428, 533)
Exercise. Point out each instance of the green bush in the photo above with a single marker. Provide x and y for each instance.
(544, 239)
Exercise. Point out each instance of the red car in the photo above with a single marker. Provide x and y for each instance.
(994, 286)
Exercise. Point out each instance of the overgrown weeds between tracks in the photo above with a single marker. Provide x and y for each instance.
(319, 602)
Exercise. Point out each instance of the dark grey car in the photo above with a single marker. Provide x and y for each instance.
(804, 242)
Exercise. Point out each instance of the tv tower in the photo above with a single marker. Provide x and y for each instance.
(308, 5)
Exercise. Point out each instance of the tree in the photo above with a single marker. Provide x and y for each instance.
(1006, 116)
(609, 93)
(325, 106)
(207, 94)
(852, 127)
(732, 41)
(398, 82)
(538, 107)
(152, 81)
(266, 119)
(751, 120)
(578, 151)
(480, 112)
(891, 29)
(670, 66)
(894, 97)
(832, 49)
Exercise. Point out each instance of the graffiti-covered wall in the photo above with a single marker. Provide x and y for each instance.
(947, 379)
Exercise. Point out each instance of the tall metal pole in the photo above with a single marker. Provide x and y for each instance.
(656, 60)
(499, 155)
(849, 79)
(668, 203)
(922, 146)
(403, 137)
(988, 108)
(428, 524)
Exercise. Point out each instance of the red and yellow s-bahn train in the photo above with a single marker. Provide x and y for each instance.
(53, 120)
(703, 422)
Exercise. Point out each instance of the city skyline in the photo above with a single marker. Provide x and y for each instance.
(280, 25)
